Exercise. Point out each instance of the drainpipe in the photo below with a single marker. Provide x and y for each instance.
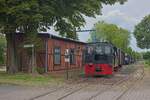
(46, 55)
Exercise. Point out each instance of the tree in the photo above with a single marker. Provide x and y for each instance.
(146, 55)
(111, 33)
(31, 16)
(142, 33)
(137, 55)
(130, 51)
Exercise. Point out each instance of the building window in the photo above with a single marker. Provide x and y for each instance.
(57, 55)
(72, 56)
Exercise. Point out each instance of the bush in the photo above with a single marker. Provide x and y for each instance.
(2, 61)
(147, 62)
(146, 56)
(40, 70)
(2, 49)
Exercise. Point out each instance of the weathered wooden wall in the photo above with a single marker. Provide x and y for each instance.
(63, 44)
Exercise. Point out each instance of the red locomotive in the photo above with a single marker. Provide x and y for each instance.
(102, 58)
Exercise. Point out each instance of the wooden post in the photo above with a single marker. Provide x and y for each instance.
(67, 61)
(67, 73)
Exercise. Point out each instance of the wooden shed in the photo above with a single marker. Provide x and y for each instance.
(51, 56)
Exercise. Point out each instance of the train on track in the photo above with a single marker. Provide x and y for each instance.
(103, 58)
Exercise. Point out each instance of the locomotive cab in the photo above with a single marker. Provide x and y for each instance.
(99, 59)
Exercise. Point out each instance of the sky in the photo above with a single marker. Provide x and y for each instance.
(125, 16)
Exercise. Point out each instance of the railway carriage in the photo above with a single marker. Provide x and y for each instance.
(128, 59)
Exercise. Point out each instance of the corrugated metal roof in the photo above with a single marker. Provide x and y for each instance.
(48, 35)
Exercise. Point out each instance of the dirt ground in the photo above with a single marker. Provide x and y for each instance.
(130, 83)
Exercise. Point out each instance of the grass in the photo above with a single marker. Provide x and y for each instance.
(147, 64)
(29, 79)
(147, 67)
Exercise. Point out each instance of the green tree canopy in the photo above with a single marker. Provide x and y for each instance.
(142, 33)
(137, 55)
(111, 33)
(30, 15)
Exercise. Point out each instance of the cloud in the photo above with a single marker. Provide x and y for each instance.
(115, 17)
(119, 18)
(118, 13)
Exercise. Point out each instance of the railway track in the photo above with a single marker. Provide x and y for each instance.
(109, 87)
(87, 81)
(100, 81)
(120, 82)
(57, 89)
(110, 83)
(133, 84)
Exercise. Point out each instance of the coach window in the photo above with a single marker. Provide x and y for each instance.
(72, 56)
(107, 50)
(57, 55)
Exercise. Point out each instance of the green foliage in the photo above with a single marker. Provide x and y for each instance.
(137, 55)
(28, 16)
(134, 54)
(130, 51)
(1, 56)
(147, 62)
(146, 55)
(2, 49)
(33, 39)
(40, 70)
(111, 33)
(142, 33)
